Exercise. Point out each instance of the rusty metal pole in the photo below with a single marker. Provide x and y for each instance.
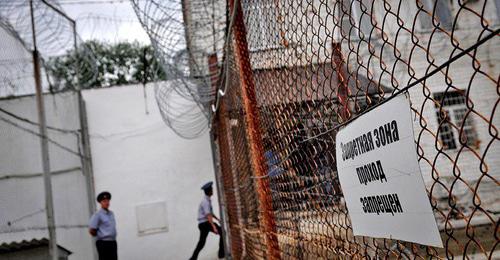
(342, 87)
(217, 154)
(145, 79)
(218, 136)
(84, 137)
(268, 225)
(233, 183)
(44, 143)
(226, 172)
(86, 159)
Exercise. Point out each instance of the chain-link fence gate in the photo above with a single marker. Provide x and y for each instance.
(294, 72)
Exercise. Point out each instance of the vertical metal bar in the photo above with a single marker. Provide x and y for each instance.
(234, 181)
(77, 60)
(342, 87)
(87, 160)
(214, 80)
(49, 206)
(251, 112)
(185, 5)
(83, 126)
(224, 161)
(145, 80)
(220, 195)
(84, 135)
(87, 157)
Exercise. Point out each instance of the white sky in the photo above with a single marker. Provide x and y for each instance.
(107, 21)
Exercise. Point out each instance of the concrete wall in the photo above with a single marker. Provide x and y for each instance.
(141, 161)
(22, 203)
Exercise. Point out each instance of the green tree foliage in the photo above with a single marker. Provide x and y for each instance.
(101, 65)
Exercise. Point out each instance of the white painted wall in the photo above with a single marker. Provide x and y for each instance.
(139, 160)
(22, 201)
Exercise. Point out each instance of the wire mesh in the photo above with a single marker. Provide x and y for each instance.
(314, 66)
(185, 34)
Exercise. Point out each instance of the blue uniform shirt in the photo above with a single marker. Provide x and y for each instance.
(204, 209)
(104, 222)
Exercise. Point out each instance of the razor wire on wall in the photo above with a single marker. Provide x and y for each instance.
(186, 35)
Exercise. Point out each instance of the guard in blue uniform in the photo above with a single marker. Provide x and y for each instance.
(102, 226)
(206, 222)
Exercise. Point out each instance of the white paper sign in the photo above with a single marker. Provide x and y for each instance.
(381, 179)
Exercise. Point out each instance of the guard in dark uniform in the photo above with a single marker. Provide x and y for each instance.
(102, 226)
(206, 222)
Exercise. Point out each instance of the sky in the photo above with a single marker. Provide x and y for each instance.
(110, 21)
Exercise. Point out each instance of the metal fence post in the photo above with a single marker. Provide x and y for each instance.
(221, 196)
(254, 135)
(49, 201)
(226, 172)
(217, 162)
(84, 131)
(342, 84)
(87, 157)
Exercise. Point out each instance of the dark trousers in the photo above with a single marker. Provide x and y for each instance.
(206, 228)
(106, 250)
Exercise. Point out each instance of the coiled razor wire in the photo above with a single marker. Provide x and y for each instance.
(56, 38)
(188, 37)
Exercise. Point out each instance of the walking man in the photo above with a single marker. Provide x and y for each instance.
(102, 226)
(206, 222)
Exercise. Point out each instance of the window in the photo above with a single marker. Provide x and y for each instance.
(263, 16)
(454, 128)
(440, 10)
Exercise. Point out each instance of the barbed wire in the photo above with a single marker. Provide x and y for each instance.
(76, 2)
(23, 119)
(52, 141)
(56, 37)
(191, 63)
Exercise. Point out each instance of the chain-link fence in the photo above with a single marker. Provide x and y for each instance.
(294, 72)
